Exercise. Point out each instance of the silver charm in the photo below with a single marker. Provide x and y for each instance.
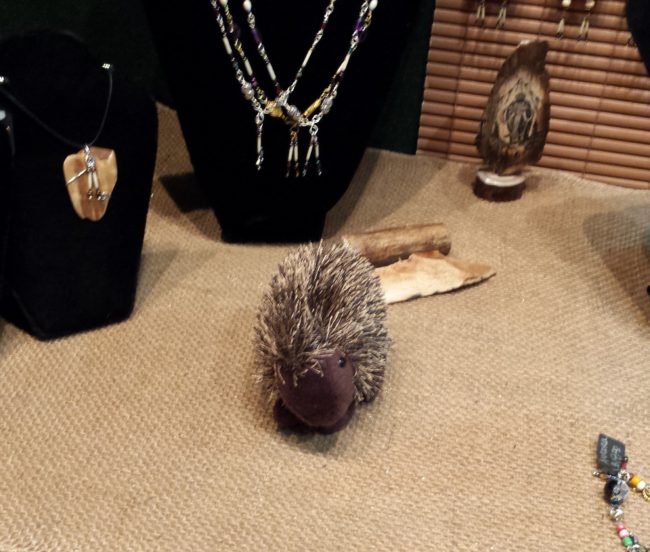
(313, 150)
(503, 13)
(480, 13)
(559, 34)
(259, 122)
(293, 158)
(584, 28)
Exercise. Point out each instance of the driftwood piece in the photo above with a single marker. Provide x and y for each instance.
(383, 247)
(425, 274)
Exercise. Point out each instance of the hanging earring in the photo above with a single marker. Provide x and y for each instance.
(480, 13)
(584, 28)
(566, 4)
(503, 12)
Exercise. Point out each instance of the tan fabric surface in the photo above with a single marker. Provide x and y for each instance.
(150, 435)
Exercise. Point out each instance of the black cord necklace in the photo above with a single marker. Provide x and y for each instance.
(91, 173)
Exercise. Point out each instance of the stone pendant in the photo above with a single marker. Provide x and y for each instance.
(90, 176)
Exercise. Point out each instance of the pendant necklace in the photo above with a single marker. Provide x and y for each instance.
(91, 173)
(279, 105)
(612, 468)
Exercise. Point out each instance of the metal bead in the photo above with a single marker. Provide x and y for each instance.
(327, 104)
(247, 91)
(616, 514)
(293, 112)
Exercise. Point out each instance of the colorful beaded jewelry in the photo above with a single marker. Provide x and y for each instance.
(617, 489)
(280, 107)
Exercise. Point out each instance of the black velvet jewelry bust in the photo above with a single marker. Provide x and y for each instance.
(5, 183)
(64, 274)
(218, 123)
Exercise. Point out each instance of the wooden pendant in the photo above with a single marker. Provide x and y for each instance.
(90, 176)
(516, 120)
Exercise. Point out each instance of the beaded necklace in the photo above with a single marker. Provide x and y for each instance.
(280, 107)
(617, 489)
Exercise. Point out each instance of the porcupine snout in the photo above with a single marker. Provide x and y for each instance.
(321, 399)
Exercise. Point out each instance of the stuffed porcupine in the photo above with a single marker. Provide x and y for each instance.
(321, 339)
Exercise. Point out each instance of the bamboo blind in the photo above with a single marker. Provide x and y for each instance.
(600, 91)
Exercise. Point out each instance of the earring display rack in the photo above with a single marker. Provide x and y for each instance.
(600, 90)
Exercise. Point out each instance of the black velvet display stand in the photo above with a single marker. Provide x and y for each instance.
(64, 274)
(5, 182)
(218, 123)
(638, 19)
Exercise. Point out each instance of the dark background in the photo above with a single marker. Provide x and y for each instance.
(117, 32)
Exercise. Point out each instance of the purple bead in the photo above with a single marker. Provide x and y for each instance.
(256, 36)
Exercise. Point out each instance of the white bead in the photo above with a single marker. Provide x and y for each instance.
(226, 43)
(224, 3)
(344, 64)
(566, 3)
(269, 68)
(373, 5)
(247, 5)
(641, 485)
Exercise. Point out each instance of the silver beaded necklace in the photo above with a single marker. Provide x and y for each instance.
(280, 107)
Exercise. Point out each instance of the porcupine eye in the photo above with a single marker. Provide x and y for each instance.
(342, 362)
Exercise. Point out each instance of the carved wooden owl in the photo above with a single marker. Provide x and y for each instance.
(515, 122)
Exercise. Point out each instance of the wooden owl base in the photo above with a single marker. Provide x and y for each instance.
(492, 187)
